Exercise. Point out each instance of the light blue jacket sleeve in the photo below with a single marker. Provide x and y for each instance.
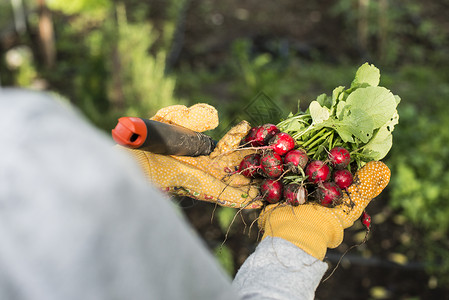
(279, 270)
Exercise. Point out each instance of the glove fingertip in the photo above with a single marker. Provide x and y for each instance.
(199, 117)
(232, 139)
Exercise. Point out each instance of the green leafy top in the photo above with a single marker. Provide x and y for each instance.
(361, 118)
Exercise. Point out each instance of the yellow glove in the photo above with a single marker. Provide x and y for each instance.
(313, 227)
(209, 178)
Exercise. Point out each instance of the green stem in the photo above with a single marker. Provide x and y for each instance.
(310, 153)
(318, 140)
(358, 149)
(299, 134)
(291, 119)
(331, 139)
(317, 135)
(337, 142)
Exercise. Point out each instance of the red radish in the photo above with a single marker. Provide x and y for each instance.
(366, 220)
(281, 143)
(318, 171)
(339, 157)
(271, 190)
(251, 137)
(343, 178)
(295, 159)
(250, 165)
(260, 135)
(295, 194)
(328, 193)
(271, 164)
(264, 133)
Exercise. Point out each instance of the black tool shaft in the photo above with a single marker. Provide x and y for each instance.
(168, 139)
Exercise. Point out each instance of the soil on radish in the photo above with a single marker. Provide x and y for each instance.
(296, 160)
(250, 165)
(317, 171)
(295, 194)
(339, 157)
(329, 194)
(281, 143)
(271, 164)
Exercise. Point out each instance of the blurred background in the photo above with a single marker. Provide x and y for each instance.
(112, 58)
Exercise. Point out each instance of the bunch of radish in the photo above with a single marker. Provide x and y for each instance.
(287, 174)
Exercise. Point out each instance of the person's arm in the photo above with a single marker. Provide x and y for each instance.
(279, 270)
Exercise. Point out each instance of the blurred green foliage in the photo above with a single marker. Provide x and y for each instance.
(225, 217)
(145, 85)
(22, 65)
(237, 84)
(6, 14)
(420, 159)
(109, 66)
(225, 257)
(393, 32)
(79, 6)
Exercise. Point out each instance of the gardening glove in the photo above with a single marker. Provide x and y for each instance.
(209, 178)
(313, 227)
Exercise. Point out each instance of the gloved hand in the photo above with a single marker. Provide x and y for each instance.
(313, 227)
(209, 178)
